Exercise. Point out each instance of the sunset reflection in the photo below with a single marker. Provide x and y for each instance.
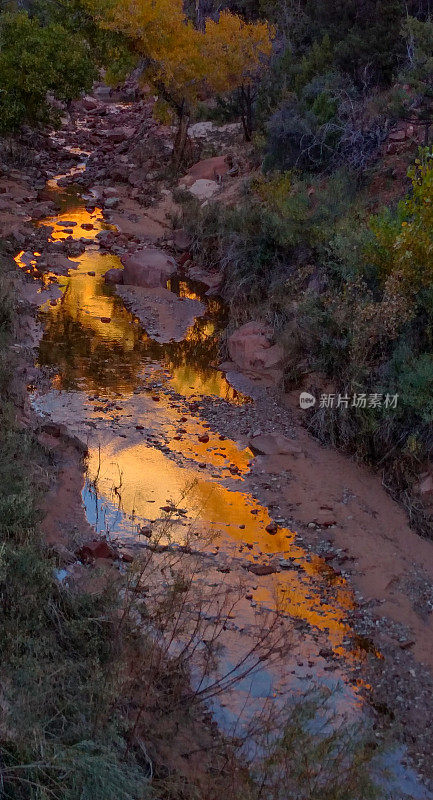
(148, 451)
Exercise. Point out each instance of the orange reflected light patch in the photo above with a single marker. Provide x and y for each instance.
(80, 217)
(148, 478)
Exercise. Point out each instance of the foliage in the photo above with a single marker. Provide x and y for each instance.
(365, 36)
(108, 49)
(403, 245)
(260, 244)
(34, 60)
(181, 60)
(412, 377)
(323, 127)
(335, 757)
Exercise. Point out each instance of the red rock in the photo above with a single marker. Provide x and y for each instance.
(106, 319)
(146, 530)
(114, 276)
(89, 103)
(183, 259)
(203, 438)
(181, 240)
(398, 135)
(272, 528)
(250, 349)
(273, 444)
(96, 549)
(207, 169)
(91, 273)
(87, 226)
(148, 268)
(261, 569)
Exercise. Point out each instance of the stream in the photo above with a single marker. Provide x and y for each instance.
(154, 463)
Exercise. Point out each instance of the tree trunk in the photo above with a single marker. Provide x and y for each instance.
(246, 105)
(181, 140)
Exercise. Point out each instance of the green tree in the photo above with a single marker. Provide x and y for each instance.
(403, 245)
(35, 60)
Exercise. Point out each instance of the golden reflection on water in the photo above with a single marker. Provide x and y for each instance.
(79, 217)
(136, 478)
(76, 331)
(141, 480)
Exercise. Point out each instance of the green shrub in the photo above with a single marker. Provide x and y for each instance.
(35, 60)
(403, 244)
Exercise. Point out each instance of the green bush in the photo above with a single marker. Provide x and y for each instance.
(36, 60)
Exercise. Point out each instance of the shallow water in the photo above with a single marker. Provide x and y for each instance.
(130, 398)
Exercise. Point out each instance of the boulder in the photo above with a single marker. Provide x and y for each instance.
(111, 202)
(119, 133)
(269, 444)
(148, 268)
(43, 209)
(96, 549)
(262, 569)
(208, 169)
(213, 280)
(425, 486)
(398, 135)
(250, 348)
(114, 276)
(165, 316)
(90, 103)
(181, 240)
(60, 264)
(203, 188)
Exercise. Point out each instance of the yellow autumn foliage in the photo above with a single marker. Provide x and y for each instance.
(179, 59)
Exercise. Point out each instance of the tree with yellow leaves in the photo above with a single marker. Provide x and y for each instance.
(180, 61)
